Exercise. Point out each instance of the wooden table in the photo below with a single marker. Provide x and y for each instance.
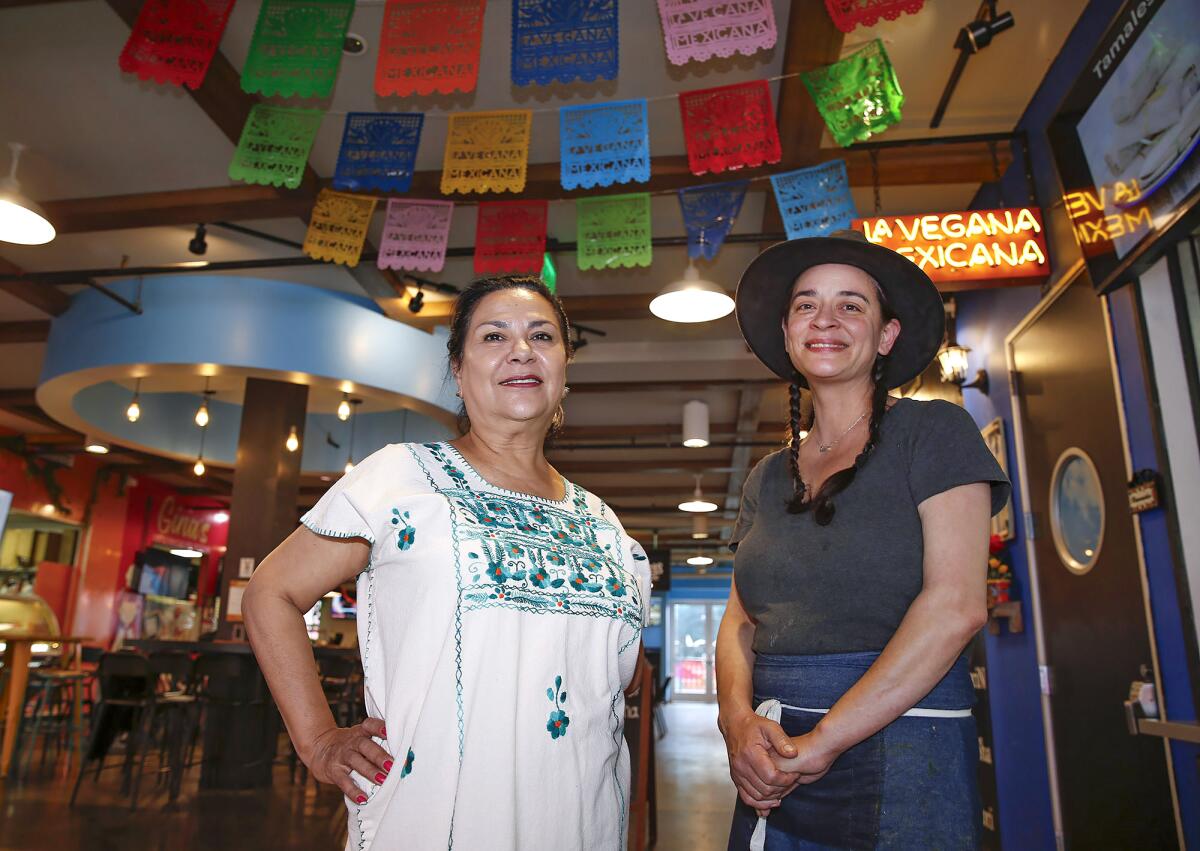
(17, 653)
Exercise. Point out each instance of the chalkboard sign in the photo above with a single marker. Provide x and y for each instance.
(660, 569)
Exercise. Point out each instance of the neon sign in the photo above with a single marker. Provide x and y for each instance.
(176, 521)
(975, 245)
(1095, 227)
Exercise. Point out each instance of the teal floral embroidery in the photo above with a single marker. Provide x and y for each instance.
(406, 533)
(408, 764)
(557, 725)
(532, 555)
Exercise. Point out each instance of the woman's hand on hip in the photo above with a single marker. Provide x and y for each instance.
(755, 745)
(340, 750)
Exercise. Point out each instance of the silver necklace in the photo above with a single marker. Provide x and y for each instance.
(825, 447)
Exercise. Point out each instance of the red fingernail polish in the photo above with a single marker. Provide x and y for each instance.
(387, 765)
(380, 777)
(361, 799)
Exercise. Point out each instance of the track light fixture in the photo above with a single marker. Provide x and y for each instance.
(417, 301)
(579, 340)
(199, 244)
(978, 34)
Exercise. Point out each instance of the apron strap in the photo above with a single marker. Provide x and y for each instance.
(772, 710)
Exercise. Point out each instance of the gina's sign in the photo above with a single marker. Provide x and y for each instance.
(976, 245)
(177, 522)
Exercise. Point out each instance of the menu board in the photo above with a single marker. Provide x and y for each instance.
(1126, 137)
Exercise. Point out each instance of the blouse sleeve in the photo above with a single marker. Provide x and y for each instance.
(357, 505)
(949, 451)
(747, 505)
(640, 567)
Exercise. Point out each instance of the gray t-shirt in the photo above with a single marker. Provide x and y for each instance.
(845, 587)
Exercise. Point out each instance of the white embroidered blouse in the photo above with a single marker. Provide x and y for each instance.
(498, 631)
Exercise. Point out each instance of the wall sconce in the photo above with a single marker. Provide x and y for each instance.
(953, 362)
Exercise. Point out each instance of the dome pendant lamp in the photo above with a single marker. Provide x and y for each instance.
(21, 220)
(692, 299)
(698, 504)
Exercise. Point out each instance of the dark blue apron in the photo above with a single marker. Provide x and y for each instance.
(912, 785)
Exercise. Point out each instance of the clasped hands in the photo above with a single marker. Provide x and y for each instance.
(767, 764)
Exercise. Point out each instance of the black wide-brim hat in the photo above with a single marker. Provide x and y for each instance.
(766, 285)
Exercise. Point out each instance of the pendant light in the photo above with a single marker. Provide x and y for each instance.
(134, 412)
(293, 441)
(198, 468)
(700, 527)
(202, 412)
(700, 560)
(691, 299)
(697, 503)
(96, 447)
(343, 408)
(695, 424)
(350, 454)
(21, 220)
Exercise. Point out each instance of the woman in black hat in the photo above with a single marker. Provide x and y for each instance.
(860, 567)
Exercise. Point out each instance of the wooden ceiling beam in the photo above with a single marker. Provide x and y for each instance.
(643, 430)
(650, 466)
(46, 298)
(682, 385)
(35, 331)
(935, 164)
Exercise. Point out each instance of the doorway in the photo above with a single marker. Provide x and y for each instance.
(1112, 789)
(693, 630)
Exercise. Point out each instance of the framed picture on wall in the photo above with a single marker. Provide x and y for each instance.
(993, 436)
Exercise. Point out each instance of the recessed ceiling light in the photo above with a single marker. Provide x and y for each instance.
(354, 45)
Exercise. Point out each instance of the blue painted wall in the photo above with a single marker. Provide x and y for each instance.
(1019, 742)
(984, 320)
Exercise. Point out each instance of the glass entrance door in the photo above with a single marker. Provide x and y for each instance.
(694, 649)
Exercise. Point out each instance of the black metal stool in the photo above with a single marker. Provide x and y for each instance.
(126, 703)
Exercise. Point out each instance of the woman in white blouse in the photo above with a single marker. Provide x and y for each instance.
(500, 612)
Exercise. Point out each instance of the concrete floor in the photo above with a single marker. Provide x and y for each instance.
(695, 801)
(695, 794)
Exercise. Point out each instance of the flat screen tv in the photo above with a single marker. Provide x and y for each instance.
(1125, 139)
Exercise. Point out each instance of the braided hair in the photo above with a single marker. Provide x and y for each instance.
(821, 503)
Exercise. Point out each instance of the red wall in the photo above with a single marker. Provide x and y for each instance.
(119, 525)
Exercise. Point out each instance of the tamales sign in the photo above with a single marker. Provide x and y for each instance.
(976, 245)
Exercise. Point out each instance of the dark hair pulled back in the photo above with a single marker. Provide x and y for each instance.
(821, 504)
(464, 311)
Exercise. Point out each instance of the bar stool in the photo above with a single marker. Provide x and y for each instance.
(174, 717)
(57, 714)
(126, 702)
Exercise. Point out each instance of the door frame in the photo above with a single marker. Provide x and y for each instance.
(669, 646)
(1069, 278)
